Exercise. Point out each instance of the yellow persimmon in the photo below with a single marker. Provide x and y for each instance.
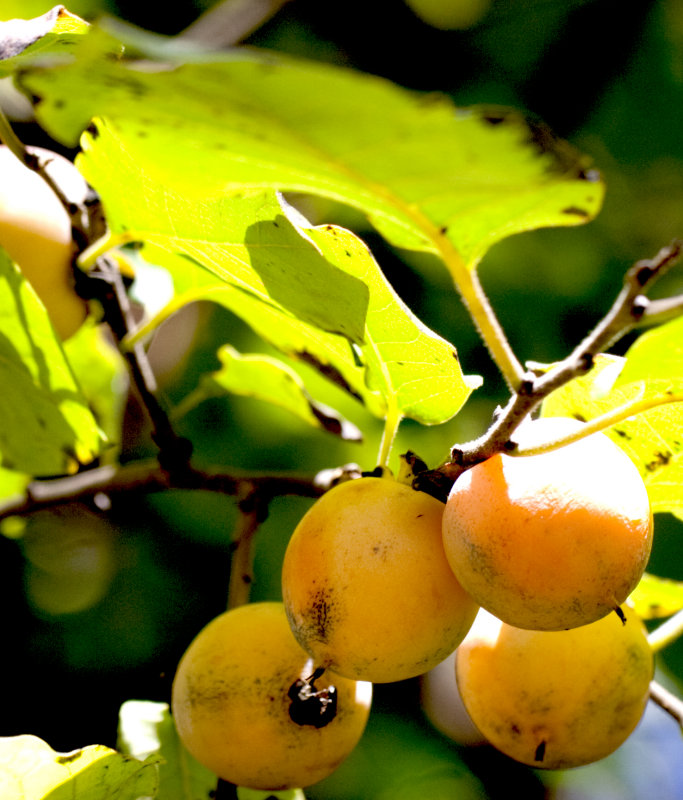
(550, 541)
(366, 584)
(251, 706)
(556, 699)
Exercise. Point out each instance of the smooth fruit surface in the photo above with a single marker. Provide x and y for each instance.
(366, 584)
(36, 232)
(556, 699)
(234, 708)
(550, 541)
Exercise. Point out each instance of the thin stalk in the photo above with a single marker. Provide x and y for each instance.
(242, 561)
(88, 258)
(477, 303)
(666, 633)
(9, 137)
(391, 424)
(600, 423)
(667, 701)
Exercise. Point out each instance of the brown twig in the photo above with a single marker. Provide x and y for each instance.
(669, 702)
(228, 22)
(252, 512)
(630, 308)
(148, 476)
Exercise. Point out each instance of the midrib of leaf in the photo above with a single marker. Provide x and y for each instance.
(464, 279)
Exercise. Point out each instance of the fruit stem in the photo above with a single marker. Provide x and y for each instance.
(392, 421)
(666, 633)
(600, 423)
(87, 259)
(667, 701)
(9, 137)
(252, 512)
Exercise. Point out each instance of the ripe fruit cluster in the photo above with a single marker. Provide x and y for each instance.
(381, 583)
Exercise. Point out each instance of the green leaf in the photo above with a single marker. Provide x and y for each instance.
(13, 487)
(653, 367)
(656, 597)
(313, 292)
(31, 770)
(243, 239)
(265, 378)
(147, 728)
(102, 377)
(429, 176)
(54, 33)
(46, 427)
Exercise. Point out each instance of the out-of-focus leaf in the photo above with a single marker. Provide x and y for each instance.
(102, 377)
(54, 33)
(265, 378)
(429, 176)
(12, 487)
(243, 793)
(653, 367)
(147, 728)
(46, 427)
(31, 770)
(657, 597)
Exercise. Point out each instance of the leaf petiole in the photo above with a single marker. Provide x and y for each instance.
(666, 633)
(600, 423)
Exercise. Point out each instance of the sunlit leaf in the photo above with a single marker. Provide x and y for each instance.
(653, 367)
(265, 378)
(657, 597)
(51, 34)
(313, 292)
(46, 426)
(31, 770)
(428, 175)
(146, 728)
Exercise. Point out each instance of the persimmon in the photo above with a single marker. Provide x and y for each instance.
(251, 705)
(35, 230)
(556, 699)
(550, 541)
(366, 584)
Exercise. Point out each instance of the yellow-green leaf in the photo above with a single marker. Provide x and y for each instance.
(31, 770)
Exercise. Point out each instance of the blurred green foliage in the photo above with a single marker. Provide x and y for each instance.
(606, 76)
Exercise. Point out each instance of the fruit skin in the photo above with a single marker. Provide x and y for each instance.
(366, 584)
(35, 230)
(556, 699)
(551, 541)
(232, 710)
